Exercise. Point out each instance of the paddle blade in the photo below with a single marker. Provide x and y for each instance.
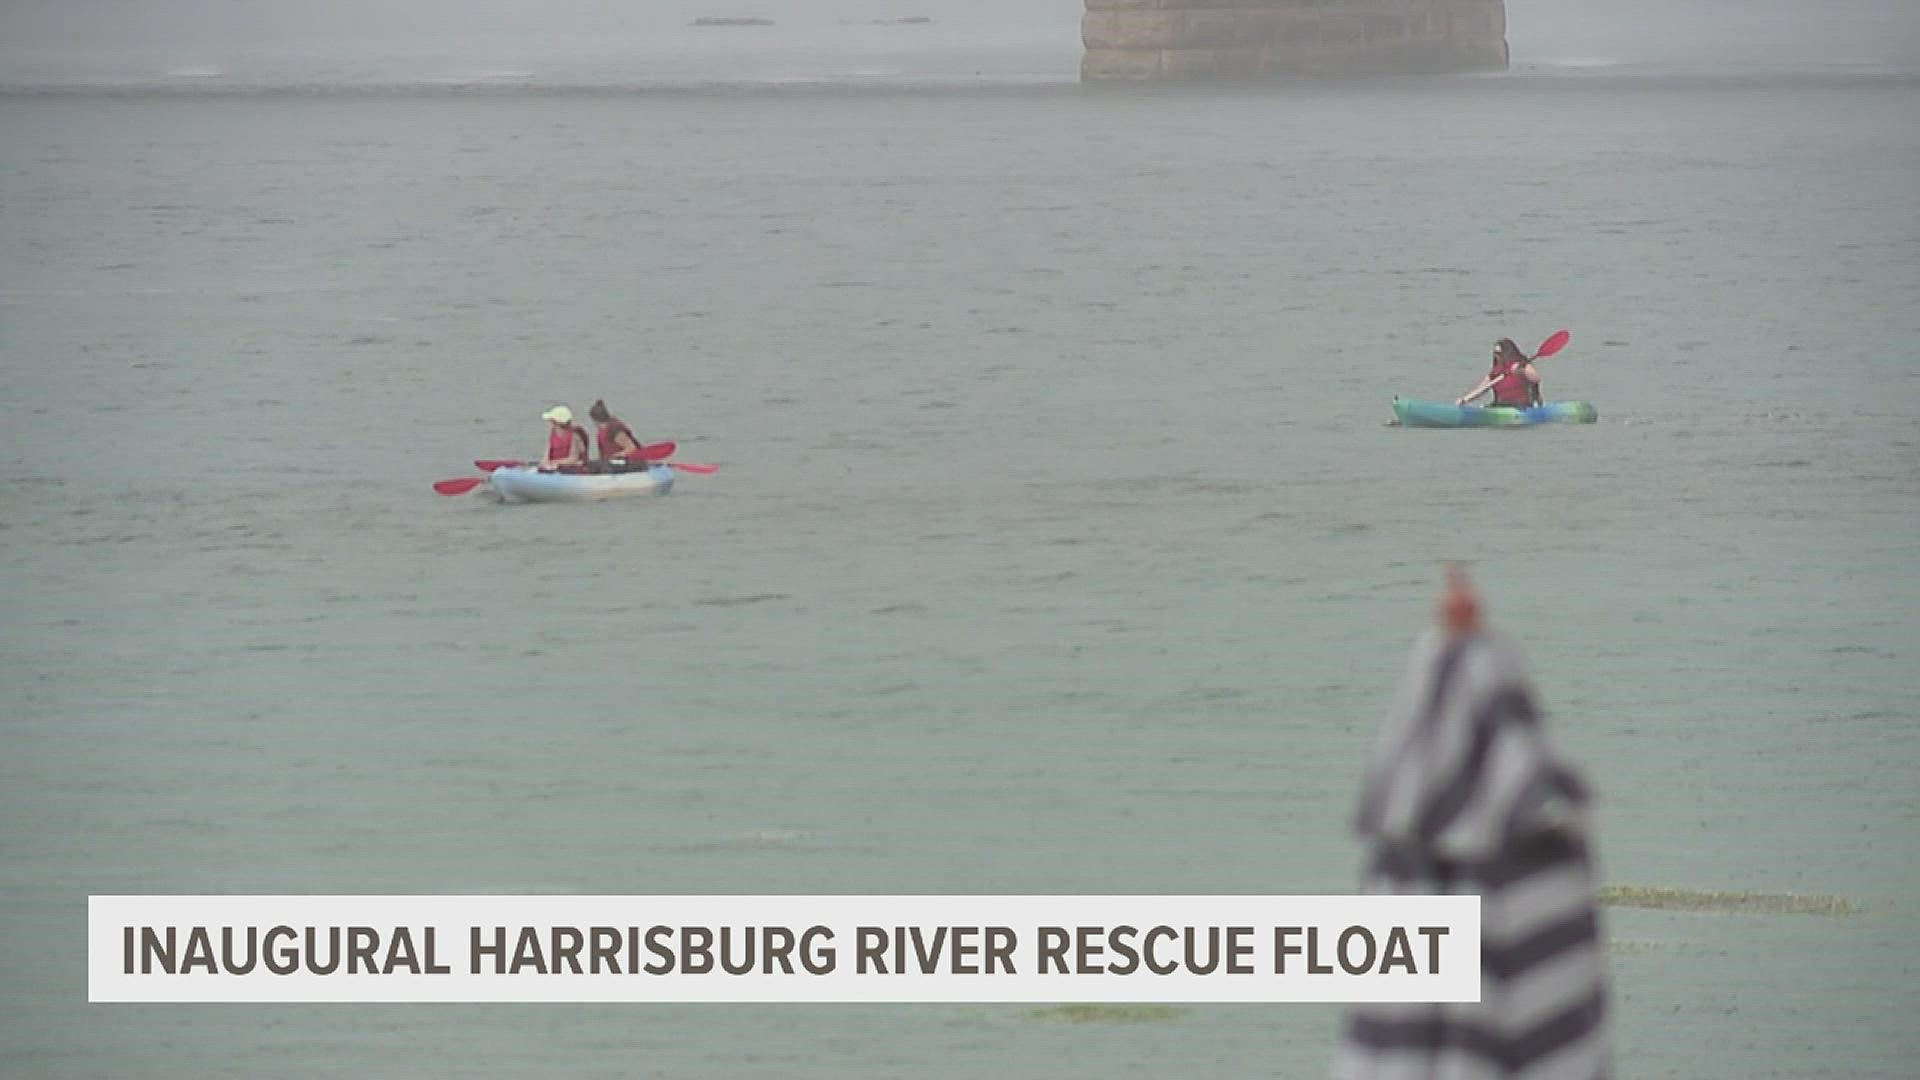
(461, 486)
(1553, 344)
(694, 467)
(656, 452)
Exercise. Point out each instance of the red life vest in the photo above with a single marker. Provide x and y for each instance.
(1512, 388)
(609, 445)
(560, 441)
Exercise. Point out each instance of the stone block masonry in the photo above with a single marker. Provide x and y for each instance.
(1253, 39)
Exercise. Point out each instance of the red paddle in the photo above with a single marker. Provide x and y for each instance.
(1553, 344)
(460, 486)
(655, 452)
(467, 483)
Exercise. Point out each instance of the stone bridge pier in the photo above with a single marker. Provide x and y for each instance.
(1252, 39)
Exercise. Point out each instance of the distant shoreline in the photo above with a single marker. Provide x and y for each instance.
(530, 84)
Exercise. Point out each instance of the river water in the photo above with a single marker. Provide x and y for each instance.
(1059, 543)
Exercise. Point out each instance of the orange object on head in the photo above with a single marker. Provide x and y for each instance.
(1459, 607)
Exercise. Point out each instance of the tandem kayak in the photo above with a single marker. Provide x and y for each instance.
(1439, 414)
(522, 484)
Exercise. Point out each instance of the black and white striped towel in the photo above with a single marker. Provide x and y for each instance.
(1465, 797)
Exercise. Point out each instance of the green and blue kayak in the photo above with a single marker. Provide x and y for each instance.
(1413, 412)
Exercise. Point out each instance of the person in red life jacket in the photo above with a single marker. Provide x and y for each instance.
(567, 442)
(619, 446)
(1514, 381)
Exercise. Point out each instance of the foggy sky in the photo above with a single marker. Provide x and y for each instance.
(165, 33)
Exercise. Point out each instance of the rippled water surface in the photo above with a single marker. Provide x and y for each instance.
(1059, 543)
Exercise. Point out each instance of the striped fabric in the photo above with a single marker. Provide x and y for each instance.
(1465, 797)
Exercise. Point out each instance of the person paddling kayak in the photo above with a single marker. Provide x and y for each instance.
(1513, 379)
(567, 443)
(618, 444)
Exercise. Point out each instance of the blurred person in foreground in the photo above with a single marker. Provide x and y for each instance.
(1466, 797)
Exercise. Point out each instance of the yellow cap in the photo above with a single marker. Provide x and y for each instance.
(559, 414)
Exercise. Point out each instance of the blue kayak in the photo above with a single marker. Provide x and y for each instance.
(522, 484)
(1439, 414)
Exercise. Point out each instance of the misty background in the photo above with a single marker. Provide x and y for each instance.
(1061, 544)
(592, 41)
